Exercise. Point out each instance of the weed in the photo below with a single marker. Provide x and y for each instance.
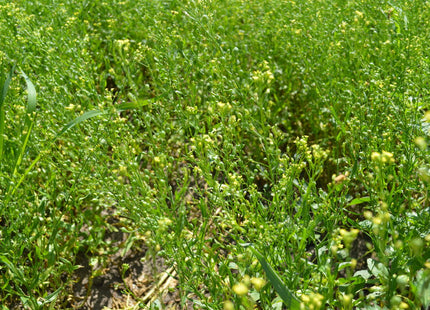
(297, 127)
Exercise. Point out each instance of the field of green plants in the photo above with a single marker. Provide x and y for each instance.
(259, 154)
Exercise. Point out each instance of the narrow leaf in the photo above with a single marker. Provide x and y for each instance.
(2, 121)
(31, 94)
(289, 299)
(79, 120)
(51, 297)
(358, 201)
(71, 124)
(11, 191)
(423, 287)
(6, 86)
(16, 272)
(4, 90)
(23, 148)
(131, 105)
(31, 107)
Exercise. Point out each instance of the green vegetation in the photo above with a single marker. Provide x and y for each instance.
(272, 152)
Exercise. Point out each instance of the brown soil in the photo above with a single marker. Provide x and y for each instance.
(107, 285)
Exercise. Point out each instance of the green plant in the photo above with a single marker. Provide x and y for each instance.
(289, 125)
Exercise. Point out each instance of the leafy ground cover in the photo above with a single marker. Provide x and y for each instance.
(214, 154)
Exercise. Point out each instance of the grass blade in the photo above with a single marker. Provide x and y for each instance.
(132, 105)
(137, 103)
(2, 120)
(23, 147)
(2, 113)
(6, 86)
(50, 298)
(11, 191)
(79, 120)
(31, 94)
(288, 298)
(71, 124)
(31, 108)
(16, 272)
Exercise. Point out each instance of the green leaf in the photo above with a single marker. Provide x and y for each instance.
(16, 272)
(423, 287)
(31, 107)
(358, 201)
(344, 265)
(31, 94)
(289, 299)
(6, 86)
(79, 120)
(4, 90)
(131, 105)
(71, 124)
(50, 298)
(23, 148)
(365, 274)
(378, 269)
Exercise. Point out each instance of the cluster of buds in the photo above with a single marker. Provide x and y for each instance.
(384, 157)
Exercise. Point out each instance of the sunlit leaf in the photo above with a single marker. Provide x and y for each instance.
(289, 299)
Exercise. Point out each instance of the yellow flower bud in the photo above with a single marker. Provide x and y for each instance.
(258, 283)
(228, 305)
(240, 289)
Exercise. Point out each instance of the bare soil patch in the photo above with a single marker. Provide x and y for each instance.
(133, 280)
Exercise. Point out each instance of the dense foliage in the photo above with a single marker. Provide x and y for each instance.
(299, 127)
